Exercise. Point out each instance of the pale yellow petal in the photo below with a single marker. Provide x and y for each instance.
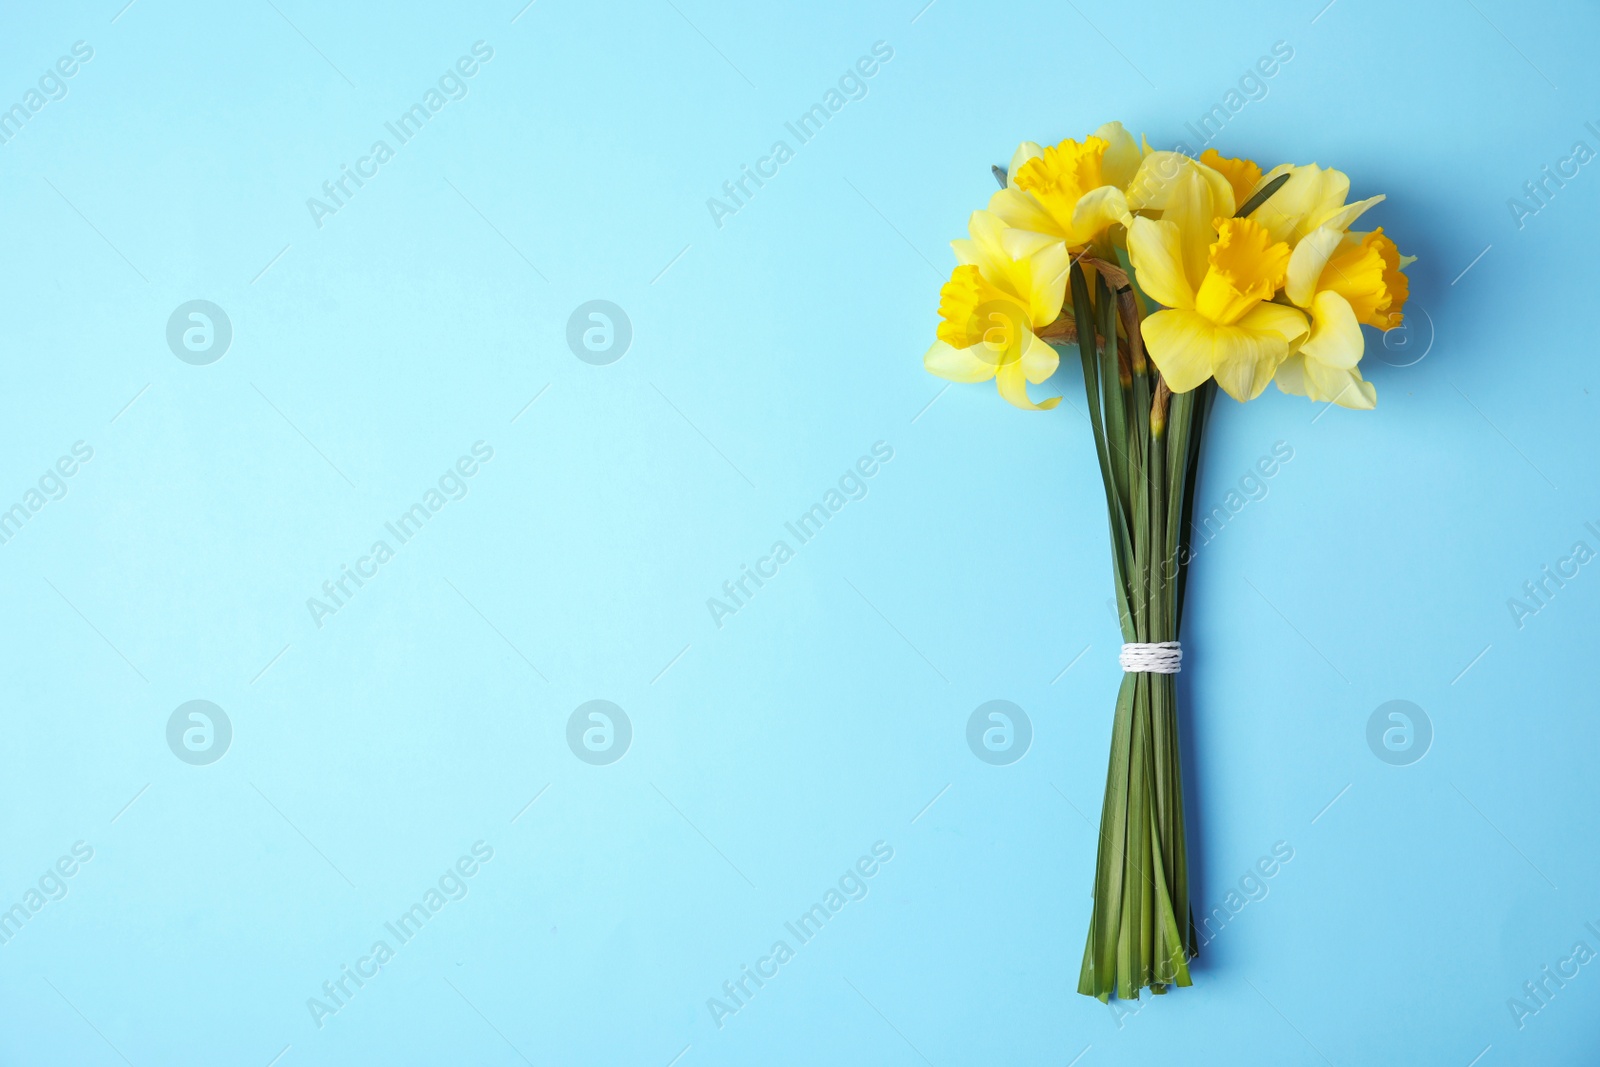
(1311, 194)
(1152, 183)
(1039, 359)
(1018, 209)
(1291, 376)
(1036, 272)
(967, 252)
(1222, 198)
(1339, 385)
(1280, 169)
(1157, 178)
(1025, 151)
(986, 229)
(1122, 157)
(1280, 211)
(1051, 267)
(1341, 218)
(1020, 244)
(1267, 213)
(1099, 209)
(1244, 360)
(1307, 263)
(1180, 344)
(1335, 339)
(956, 364)
(1155, 250)
(1192, 208)
(1326, 384)
(1287, 322)
(1014, 388)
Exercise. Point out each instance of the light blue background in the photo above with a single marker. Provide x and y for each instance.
(768, 355)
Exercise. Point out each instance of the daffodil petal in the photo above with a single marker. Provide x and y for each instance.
(1191, 208)
(1180, 344)
(956, 364)
(1153, 182)
(1039, 359)
(1122, 156)
(1335, 339)
(1222, 199)
(1341, 386)
(1155, 249)
(1025, 151)
(1014, 388)
(1275, 172)
(1042, 262)
(1020, 243)
(1344, 216)
(1311, 194)
(1363, 398)
(1306, 264)
(1051, 266)
(1291, 376)
(1098, 209)
(1244, 360)
(987, 230)
(1288, 323)
(1021, 211)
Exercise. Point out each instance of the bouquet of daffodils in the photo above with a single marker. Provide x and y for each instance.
(1166, 274)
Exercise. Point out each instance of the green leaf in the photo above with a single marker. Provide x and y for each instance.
(1260, 196)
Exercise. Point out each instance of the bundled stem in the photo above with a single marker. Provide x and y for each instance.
(1147, 440)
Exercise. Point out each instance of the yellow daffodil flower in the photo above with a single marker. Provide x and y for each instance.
(1215, 276)
(1343, 280)
(1072, 192)
(991, 308)
(1364, 268)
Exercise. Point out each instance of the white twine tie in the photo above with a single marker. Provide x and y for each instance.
(1159, 657)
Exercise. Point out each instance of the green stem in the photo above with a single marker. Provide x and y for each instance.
(1141, 934)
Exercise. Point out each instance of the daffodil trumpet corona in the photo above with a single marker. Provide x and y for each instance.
(1170, 277)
